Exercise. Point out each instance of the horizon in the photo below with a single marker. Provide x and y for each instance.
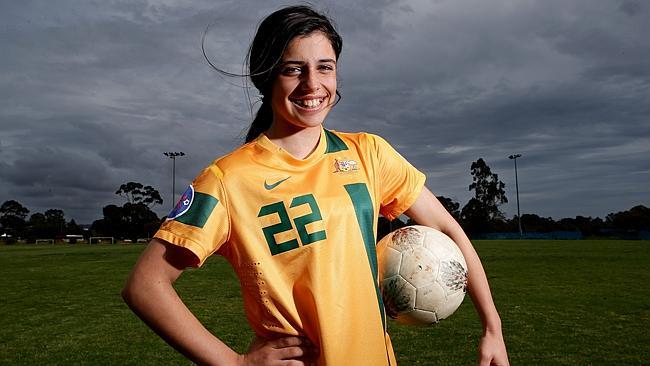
(402, 217)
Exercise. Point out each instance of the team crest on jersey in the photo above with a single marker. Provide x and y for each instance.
(345, 165)
(183, 205)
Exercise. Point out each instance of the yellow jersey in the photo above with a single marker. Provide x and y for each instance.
(300, 235)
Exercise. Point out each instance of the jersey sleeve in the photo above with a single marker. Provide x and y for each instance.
(400, 183)
(200, 220)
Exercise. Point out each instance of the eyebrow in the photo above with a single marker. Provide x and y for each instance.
(296, 62)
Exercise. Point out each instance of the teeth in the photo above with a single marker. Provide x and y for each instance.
(309, 103)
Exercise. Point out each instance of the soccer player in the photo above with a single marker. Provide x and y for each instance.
(294, 210)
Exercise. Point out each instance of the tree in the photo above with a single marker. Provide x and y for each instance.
(48, 225)
(37, 226)
(481, 212)
(474, 217)
(73, 228)
(134, 219)
(12, 217)
(56, 224)
(586, 225)
(111, 225)
(113, 220)
(137, 193)
(537, 224)
(137, 220)
(488, 189)
(635, 219)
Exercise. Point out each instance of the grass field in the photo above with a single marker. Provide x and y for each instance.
(562, 303)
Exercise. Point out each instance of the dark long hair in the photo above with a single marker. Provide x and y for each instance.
(265, 53)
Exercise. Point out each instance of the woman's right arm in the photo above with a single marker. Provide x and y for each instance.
(150, 294)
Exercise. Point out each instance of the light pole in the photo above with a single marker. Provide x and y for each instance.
(172, 155)
(514, 157)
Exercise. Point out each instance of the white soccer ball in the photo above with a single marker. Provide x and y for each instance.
(422, 275)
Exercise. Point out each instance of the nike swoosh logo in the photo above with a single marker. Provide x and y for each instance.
(271, 186)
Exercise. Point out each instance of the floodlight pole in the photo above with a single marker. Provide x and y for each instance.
(514, 157)
(172, 155)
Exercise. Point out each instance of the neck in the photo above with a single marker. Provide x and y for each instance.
(297, 141)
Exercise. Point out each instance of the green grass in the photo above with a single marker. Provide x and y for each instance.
(561, 302)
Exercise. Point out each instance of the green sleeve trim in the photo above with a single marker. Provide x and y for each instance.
(200, 211)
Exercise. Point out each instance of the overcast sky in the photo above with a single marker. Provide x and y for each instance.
(93, 92)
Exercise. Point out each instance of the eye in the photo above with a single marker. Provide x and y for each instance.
(291, 70)
(326, 67)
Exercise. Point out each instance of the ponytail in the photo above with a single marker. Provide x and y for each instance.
(262, 121)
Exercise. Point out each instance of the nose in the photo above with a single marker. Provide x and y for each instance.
(310, 80)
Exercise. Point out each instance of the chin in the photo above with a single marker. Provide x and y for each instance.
(302, 124)
(309, 119)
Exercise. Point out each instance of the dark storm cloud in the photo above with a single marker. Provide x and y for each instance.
(630, 8)
(563, 83)
(92, 93)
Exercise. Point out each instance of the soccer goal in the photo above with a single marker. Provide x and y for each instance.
(101, 239)
(48, 241)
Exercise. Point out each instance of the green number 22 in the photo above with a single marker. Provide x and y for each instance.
(285, 224)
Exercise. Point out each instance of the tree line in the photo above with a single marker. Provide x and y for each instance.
(134, 219)
(481, 215)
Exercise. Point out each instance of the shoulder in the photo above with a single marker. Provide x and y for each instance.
(219, 169)
(237, 160)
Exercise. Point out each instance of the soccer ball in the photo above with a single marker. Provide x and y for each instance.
(422, 275)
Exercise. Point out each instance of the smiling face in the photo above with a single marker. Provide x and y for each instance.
(304, 89)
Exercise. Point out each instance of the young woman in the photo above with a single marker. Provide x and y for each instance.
(294, 211)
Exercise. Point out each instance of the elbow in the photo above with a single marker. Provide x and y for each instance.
(132, 288)
(139, 290)
(127, 293)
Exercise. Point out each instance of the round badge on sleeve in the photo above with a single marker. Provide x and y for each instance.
(183, 205)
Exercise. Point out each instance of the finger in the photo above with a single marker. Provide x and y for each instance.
(484, 361)
(294, 363)
(312, 351)
(291, 353)
(289, 342)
